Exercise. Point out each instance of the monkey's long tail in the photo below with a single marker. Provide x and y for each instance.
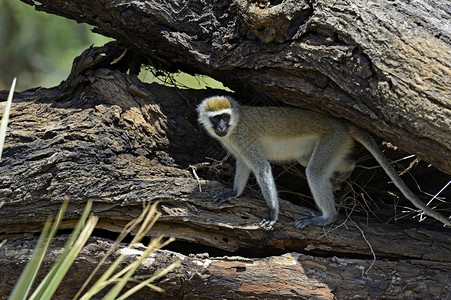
(369, 143)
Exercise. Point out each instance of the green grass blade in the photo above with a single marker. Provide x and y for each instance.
(148, 281)
(69, 259)
(125, 231)
(120, 279)
(102, 282)
(5, 117)
(153, 246)
(52, 275)
(26, 279)
(112, 294)
(107, 277)
(151, 217)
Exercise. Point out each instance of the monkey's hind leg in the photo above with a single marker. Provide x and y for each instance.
(321, 188)
(342, 172)
(329, 156)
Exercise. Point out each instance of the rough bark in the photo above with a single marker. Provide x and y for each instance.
(290, 276)
(106, 136)
(384, 65)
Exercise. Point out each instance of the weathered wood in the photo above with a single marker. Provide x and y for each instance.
(106, 136)
(109, 137)
(289, 276)
(381, 64)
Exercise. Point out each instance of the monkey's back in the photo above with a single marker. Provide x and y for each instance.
(284, 122)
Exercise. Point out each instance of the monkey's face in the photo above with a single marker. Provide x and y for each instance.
(219, 115)
(220, 124)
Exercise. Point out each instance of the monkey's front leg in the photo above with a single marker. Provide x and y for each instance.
(266, 182)
(241, 177)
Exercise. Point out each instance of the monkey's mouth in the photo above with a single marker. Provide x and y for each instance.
(221, 132)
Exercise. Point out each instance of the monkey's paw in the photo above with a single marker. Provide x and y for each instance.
(304, 222)
(223, 197)
(267, 223)
(313, 220)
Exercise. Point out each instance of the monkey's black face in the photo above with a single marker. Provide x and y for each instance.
(220, 124)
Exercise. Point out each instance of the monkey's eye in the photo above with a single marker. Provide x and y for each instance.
(225, 117)
(215, 118)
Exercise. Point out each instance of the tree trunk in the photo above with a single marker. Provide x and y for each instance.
(383, 65)
(289, 276)
(106, 136)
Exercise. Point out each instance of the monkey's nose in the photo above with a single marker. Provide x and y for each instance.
(221, 131)
(221, 128)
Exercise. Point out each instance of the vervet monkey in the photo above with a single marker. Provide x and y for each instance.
(321, 143)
